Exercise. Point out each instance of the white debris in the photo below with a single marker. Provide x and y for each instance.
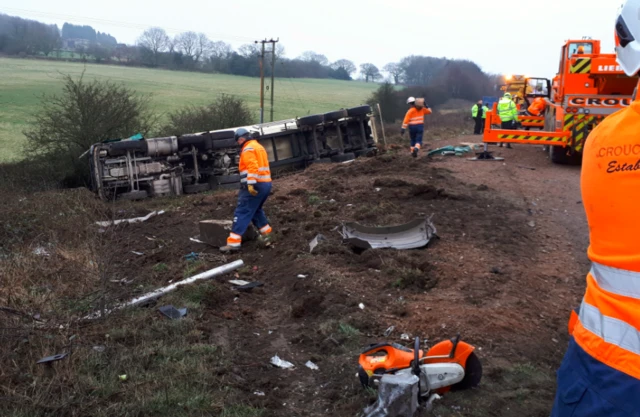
(133, 220)
(301, 276)
(361, 306)
(280, 363)
(404, 336)
(311, 365)
(259, 393)
(40, 251)
(378, 189)
(316, 240)
(137, 253)
(388, 332)
(532, 223)
(239, 282)
(195, 240)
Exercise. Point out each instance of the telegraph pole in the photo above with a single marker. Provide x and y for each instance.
(262, 81)
(273, 65)
(273, 69)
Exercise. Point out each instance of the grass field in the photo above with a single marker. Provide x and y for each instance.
(23, 81)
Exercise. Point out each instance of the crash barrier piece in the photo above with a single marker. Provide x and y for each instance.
(415, 234)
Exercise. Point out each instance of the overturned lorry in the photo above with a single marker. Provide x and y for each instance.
(137, 167)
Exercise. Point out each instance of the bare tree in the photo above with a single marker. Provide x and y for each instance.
(154, 39)
(369, 71)
(220, 50)
(311, 56)
(348, 66)
(187, 43)
(249, 50)
(203, 47)
(395, 70)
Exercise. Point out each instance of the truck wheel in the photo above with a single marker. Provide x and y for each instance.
(196, 188)
(335, 115)
(344, 157)
(223, 134)
(312, 120)
(359, 111)
(224, 143)
(558, 155)
(224, 179)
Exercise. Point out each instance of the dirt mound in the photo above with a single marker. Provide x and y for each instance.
(321, 306)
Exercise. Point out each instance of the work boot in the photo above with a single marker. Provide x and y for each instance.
(265, 240)
(500, 145)
(229, 249)
(415, 153)
(508, 146)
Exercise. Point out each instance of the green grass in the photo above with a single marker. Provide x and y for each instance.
(23, 81)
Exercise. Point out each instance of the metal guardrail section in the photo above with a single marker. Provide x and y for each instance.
(415, 234)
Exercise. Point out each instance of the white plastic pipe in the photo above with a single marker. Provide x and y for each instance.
(165, 290)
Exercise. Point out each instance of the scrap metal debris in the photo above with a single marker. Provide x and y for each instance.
(415, 234)
(316, 240)
(172, 312)
(249, 286)
(133, 220)
(311, 366)
(280, 363)
(54, 358)
(390, 330)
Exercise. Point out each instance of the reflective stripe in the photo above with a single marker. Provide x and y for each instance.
(251, 181)
(245, 172)
(263, 169)
(616, 281)
(235, 236)
(243, 180)
(247, 149)
(266, 229)
(611, 330)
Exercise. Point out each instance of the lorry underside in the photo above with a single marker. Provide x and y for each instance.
(197, 162)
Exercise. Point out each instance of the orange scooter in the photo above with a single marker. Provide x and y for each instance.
(450, 365)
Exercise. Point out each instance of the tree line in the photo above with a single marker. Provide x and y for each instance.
(194, 51)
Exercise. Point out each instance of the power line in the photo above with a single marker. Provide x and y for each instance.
(127, 25)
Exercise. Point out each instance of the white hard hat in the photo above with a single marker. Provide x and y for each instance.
(627, 37)
(411, 100)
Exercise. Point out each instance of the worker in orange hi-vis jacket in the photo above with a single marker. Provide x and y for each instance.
(414, 120)
(537, 107)
(600, 373)
(255, 179)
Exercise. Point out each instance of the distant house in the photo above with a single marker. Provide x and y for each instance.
(73, 44)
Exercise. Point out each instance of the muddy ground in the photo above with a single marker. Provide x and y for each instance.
(507, 268)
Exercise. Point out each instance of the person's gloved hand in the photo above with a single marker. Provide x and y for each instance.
(252, 190)
(402, 131)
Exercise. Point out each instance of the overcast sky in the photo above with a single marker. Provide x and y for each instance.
(523, 38)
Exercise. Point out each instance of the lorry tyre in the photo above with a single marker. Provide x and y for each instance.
(335, 115)
(312, 120)
(344, 157)
(196, 188)
(359, 111)
(558, 155)
(223, 134)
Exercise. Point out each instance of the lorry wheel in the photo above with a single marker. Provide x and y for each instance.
(359, 111)
(335, 115)
(344, 157)
(558, 155)
(223, 134)
(196, 188)
(224, 143)
(312, 120)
